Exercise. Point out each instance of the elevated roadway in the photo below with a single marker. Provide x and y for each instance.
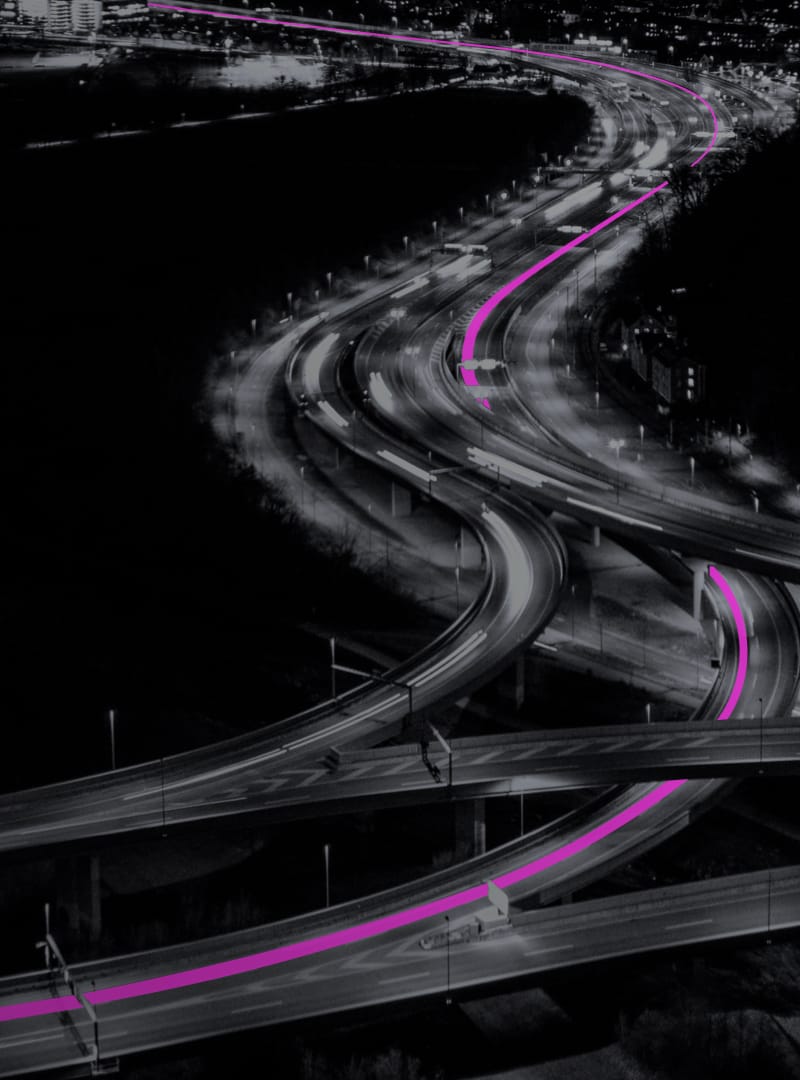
(394, 968)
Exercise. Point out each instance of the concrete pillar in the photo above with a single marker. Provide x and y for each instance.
(401, 500)
(471, 551)
(512, 683)
(595, 536)
(697, 591)
(469, 828)
(479, 826)
(95, 902)
(78, 885)
(71, 898)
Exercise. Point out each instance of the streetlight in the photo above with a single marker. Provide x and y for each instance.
(327, 851)
(448, 1000)
(594, 252)
(761, 734)
(405, 244)
(458, 603)
(111, 716)
(577, 289)
(366, 264)
(329, 276)
(691, 472)
(461, 214)
(572, 609)
(617, 444)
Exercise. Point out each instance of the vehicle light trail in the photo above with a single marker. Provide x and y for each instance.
(480, 317)
(362, 931)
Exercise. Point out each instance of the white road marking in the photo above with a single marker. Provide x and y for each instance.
(257, 1008)
(683, 925)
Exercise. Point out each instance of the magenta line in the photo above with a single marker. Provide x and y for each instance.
(39, 1008)
(363, 931)
(483, 313)
(741, 633)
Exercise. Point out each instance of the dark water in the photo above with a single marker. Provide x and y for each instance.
(135, 573)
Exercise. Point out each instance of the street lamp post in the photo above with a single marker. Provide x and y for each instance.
(616, 445)
(327, 851)
(448, 999)
(111, 717)
(761, 734)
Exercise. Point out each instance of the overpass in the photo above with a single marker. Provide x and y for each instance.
(384, 970)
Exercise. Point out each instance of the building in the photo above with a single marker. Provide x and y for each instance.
(59, 16)
(31, 11)
(676, 379)
(87, 16)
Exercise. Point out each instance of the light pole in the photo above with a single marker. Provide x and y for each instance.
(572, 610)
(594, 253)
(448, 1000)
(329, 277)
(691, 472)
(458, 602)
(616, 445)
(327, 851)
(577, 290)
(111, 717)
(761, 733)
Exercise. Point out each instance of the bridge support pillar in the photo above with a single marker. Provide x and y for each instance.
(401, 501)
(470, 552)
(78, 886)
(479, 826)
(512, 683)
(698, 578)
(470, 828)
(595, 536)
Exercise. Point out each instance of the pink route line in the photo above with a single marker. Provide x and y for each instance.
(480, 317)
(325, 942)
(362, 931)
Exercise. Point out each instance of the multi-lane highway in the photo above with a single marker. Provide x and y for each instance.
(397, 966)
(501, 471)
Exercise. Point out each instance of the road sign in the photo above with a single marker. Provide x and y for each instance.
(498, 898)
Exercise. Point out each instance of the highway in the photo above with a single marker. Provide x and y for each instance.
(396, 967)
(502, 474)
(526, 569)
